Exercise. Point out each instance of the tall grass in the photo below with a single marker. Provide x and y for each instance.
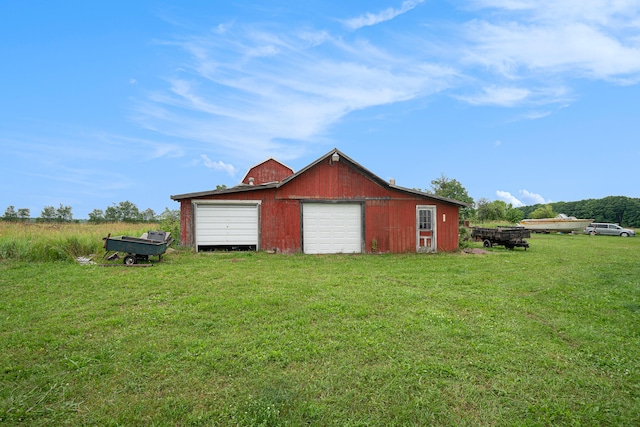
(26, 241)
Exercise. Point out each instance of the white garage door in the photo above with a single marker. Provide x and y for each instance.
(330, 228)
(227, 225)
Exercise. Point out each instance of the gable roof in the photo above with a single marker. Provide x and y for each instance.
(270, 159)
(343, 157)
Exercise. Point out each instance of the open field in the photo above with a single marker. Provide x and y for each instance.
(550, 336)
(28, 241)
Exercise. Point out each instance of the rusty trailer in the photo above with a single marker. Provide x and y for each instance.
(509, 237)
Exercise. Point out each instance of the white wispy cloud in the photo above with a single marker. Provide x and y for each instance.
(514, 96)
(530, 52)
(257, 105)
(517, 50)
(532, 198)
(219, 165)
(525, 198)
(68, 156)
(369, 19)
(141, 148)
(614, 14)
(594, 39)
(254, 91)
(501, 96)
(509, 198)
(534, 115)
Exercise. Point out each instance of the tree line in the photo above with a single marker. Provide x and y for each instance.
(615, 209)
(129, 212)
(122, 212)
(482, 210)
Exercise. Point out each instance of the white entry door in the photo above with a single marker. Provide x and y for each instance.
(329, 228)
(425, 228)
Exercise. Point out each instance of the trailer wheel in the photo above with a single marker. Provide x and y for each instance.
(487, 243)
(130, 259)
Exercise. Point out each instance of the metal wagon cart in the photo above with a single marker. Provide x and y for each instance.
(509, 237)
(139, 248)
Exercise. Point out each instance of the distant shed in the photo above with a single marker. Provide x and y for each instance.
(333, 205)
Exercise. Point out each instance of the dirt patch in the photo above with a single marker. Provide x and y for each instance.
(475, 251)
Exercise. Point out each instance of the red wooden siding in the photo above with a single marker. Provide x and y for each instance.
(281, 226)
(340, 181)
(186, 224)
(268, 171)
(390, 214)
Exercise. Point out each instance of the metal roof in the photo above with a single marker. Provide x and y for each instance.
(343, 157)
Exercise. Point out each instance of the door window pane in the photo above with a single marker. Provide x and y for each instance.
(425, 219)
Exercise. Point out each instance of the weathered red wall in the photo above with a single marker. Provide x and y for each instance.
(267, 171)
(390, 215)
(392, 223)
(339, 180)
(186, 222)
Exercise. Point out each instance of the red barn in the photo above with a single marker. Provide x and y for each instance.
(333, 205)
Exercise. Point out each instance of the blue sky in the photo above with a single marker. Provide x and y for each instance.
(527, 101)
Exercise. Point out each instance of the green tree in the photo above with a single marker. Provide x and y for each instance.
(619, 209)
(615, 208)
(64, 214)
(123, 211)
(48, 214)
(171, 215)
(491, 211)
(170, 222)
(148, 215)
(10, 214)
(545, 211)
(112, 214)
(453, 189)
(96, 216)
(514, 215)
(24, 214)
(129, 211)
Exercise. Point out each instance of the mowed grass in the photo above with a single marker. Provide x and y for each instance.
(550, 336)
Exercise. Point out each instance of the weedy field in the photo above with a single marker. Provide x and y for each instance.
(27, 241)
(547, 336)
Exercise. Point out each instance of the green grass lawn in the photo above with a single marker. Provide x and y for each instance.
(547, 336)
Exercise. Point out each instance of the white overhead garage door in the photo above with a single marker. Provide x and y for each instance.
(226, 224)
(329, 228)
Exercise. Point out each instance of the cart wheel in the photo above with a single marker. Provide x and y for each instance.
(487, 243)
(130, 260)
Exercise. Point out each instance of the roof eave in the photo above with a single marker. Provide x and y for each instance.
(431, 196)
(343, 157)
(237, 189)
